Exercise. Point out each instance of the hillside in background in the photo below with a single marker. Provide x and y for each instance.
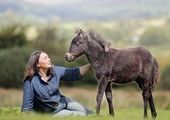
(78, 10)
(28, 25)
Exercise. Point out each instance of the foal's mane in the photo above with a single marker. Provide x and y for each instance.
(95, 36)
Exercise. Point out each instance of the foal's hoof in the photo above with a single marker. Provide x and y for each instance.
(145, 118)
(154, 116)
(112, 114)
(97, 112)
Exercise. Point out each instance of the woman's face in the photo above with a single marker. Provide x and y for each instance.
(44, 61)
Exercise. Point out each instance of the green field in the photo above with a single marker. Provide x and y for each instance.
(121, 114)
(128, 104)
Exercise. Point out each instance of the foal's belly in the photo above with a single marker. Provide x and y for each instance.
(125, 77)
(122, 81)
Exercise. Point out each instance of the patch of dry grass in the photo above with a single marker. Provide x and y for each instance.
(122, 98)
(10, 97)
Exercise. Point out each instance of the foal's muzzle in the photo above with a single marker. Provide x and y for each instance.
(69, 57)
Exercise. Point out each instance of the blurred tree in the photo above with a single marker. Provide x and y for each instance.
(165, 78)
(12, 36)
(154, 36)
(48, 39)
(13, 62)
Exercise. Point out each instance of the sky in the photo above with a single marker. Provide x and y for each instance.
(86, 9)
(51, 2)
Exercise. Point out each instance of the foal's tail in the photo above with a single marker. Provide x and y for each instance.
(155, 74)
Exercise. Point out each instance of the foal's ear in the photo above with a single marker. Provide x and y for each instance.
(79, 30)
(81, 33)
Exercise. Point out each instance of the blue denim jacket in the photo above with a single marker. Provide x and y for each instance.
(45, 96)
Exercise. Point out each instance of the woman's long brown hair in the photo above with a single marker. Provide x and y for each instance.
(31, 67)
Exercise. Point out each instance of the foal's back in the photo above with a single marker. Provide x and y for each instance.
(126, 55)
(125, 65)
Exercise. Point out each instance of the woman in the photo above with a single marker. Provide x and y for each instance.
(41, 87)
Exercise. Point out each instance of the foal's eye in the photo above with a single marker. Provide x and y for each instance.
(80, 42)
(77, 43)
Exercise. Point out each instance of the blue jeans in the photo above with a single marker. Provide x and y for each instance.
(74, 108)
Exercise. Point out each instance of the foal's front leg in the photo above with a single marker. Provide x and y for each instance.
(108, 93)
(101, 88)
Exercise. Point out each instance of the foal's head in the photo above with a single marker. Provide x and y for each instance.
(79, 45)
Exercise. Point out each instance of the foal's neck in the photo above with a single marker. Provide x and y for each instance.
(94, 52)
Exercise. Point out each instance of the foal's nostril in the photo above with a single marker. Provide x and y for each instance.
(66, 56)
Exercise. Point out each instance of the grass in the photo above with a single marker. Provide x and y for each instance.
(128, 105)
(13, 113)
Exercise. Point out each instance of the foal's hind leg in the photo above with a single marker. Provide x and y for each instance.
(146, 94)
(108, 93)
(152, 106)
(140, 83)
(145, 88)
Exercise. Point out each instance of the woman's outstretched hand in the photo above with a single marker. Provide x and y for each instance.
(84, 69)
